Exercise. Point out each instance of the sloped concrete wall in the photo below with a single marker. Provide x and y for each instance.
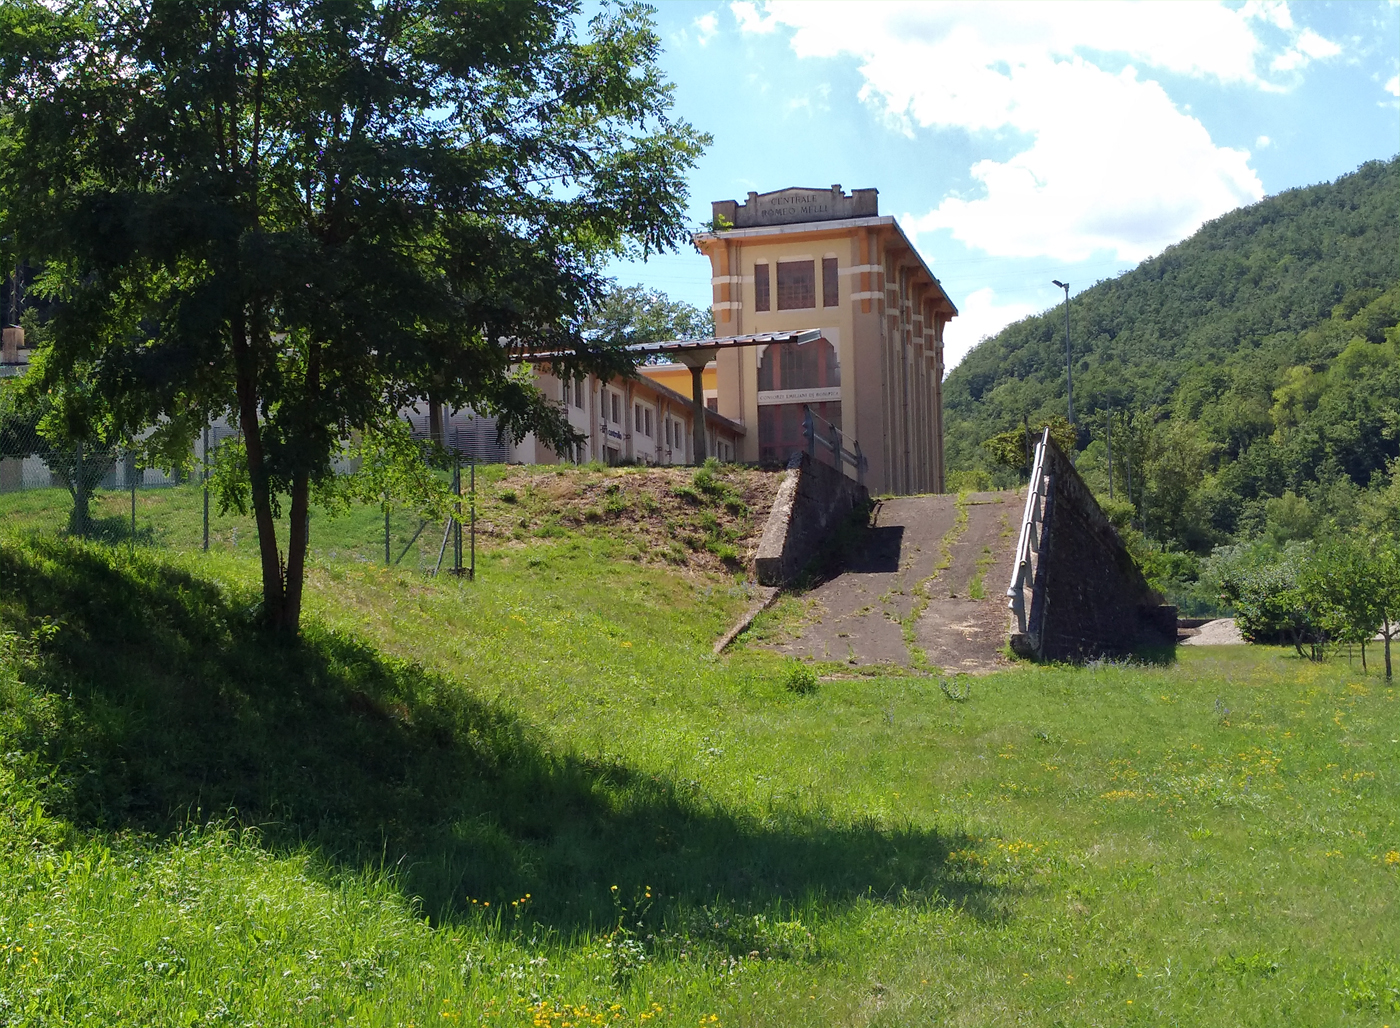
(1091, 599)
(812, 502)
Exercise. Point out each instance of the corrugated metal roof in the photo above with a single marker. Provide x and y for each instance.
(808, 335)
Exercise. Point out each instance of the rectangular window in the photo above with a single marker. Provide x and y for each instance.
(647, 413)
(760, 288)
(636, 417)
(578, 393)
(831, 290)
(797, 285)
(564, 390)
(616, 409)
(712, 404)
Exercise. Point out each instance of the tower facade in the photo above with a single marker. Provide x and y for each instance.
(807, 258)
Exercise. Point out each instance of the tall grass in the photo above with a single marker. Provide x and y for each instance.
(419, 812)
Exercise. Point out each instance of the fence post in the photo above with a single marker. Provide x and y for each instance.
(386, 533)
(132, 547)
(457, 513)
(81, 519)
(206, 487)
(472, 574)
(809, 431)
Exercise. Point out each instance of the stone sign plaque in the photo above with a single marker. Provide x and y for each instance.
(796, 206)
(792, 205)
(773, 397)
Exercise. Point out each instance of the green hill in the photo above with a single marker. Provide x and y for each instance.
(1257, 361)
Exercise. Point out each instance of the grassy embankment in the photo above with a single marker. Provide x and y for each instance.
(201, 827)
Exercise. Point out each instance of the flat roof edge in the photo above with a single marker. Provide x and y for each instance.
(806, 227)
(797, 228)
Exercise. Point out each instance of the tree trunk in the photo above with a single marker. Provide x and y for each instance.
(299, 532)
(1388, 632)
(1363, 656)
(78, 487)
(246, 383)
(435, 432)
(298, 535)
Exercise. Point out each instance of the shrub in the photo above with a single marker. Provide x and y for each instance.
(974, 481)
(801, 680)
(1262, 586)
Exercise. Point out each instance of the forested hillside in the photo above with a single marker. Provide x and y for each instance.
(1254, 368)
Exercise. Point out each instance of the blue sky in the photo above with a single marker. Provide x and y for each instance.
(1023, 142)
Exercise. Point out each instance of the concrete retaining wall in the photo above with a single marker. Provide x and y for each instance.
(812, 502)
(1090, 598)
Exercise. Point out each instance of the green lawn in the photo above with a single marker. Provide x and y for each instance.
(172, 518)
(418, 814)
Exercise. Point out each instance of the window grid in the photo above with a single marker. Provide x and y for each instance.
(831, 289)
(797, 285)
(761, 299)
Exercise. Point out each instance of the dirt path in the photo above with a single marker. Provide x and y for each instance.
(921, 587)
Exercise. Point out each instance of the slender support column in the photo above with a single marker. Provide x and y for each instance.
(697, 402)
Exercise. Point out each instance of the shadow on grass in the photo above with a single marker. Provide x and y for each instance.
(153, 700)
(115, 530)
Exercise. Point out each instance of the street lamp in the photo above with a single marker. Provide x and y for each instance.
(1069, 361)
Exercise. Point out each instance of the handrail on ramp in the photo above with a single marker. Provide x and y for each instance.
(1032, 539)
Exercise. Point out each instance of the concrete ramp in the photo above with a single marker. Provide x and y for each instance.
(923, 586)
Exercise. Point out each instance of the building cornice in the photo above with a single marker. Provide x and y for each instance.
(832, 229)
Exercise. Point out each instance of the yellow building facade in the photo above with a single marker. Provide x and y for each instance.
(823, 259)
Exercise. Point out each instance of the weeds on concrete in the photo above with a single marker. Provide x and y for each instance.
(918, 659)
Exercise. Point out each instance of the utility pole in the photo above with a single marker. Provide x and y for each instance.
(1069, 359)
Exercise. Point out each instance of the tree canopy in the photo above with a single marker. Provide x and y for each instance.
(636, 314)
(306, 215)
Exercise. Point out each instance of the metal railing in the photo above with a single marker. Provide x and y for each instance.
(831, 439)
(1021, 591)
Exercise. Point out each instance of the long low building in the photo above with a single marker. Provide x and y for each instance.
(636, 420)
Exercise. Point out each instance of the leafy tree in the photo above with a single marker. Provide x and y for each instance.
(60, 428)
(1015, 448)
(636, 314)
(1269, 605)
(1380, 510)
(309, 215)
(1340, 582)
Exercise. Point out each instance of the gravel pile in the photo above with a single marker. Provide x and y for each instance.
(1220, 632)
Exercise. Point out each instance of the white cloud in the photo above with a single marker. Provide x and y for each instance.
(1273, 11)
(979, 316)
(706, 26)
(750, 20)
(1110, 163)
(1393, 86)
(1263, 143)
(1309, 47)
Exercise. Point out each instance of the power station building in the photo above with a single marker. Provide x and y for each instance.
(785, 263)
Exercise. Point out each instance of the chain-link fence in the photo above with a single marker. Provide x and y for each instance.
(104, 492)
